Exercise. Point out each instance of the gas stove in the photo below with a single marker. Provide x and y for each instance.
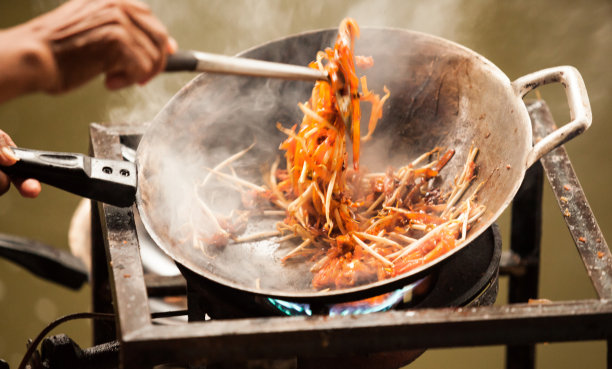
(452, 307)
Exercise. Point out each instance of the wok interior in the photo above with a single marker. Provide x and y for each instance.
(441, 95)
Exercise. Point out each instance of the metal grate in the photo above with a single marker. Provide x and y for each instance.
(519, 325)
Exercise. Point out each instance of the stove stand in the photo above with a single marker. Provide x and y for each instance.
(145, 342)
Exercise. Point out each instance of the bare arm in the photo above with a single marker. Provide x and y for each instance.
(21, 64)
(70, 45)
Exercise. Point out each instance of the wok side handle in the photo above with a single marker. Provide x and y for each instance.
(109, 181)
(578, 100)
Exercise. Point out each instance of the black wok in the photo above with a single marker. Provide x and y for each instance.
(442, 94)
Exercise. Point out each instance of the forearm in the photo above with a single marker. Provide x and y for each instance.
(79, 40)
(26, 63)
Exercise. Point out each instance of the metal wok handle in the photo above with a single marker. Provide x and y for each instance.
(577, 98)
(109, 181)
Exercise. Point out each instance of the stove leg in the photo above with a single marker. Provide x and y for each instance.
(101, 299)
(194, 306)
(525, 242)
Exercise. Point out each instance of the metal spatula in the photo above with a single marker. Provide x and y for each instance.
(198, 61)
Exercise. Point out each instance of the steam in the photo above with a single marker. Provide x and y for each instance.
(442, 18)
(140, 104)
(187, 23)
(229, 29)
(225, 121)
(209, 126)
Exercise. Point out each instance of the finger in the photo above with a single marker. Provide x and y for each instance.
(5, 183)
(131, 67)
(29, 188)
(151, 26)
(147, 57)
(172, 46)
(116, 81)
(7, 156)
(89, 45)
(126, 62)
(156, 41)
(136, 5)
(5, 139)
(136, 56)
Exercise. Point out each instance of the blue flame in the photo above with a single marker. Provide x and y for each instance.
(391, 300)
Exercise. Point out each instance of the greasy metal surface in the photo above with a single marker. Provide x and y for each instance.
(319, 336)
(214, 63)
(470, 278)
(525, 240)
(442, 94)
(577, 99)
(101, 294)
(575, 208)
(121, 243)
(143, 345)
(165, 286)
(109, 181)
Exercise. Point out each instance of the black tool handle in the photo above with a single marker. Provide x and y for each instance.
(109, 181)
(45, 261)
(181, 61)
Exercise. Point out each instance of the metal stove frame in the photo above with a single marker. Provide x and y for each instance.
(119, 286)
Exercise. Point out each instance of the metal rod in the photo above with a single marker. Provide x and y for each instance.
(101, 297)
(161, 286)
(575, 208)
(125, 273)
(525, 242)
(144, 344)
(198, 61)
(390, 331)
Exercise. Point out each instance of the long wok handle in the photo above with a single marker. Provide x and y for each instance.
(44, 260)
(197, 61)
(578, 100)
(109, 181)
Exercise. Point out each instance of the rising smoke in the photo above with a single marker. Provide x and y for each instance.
(232, 27)
(228, 29)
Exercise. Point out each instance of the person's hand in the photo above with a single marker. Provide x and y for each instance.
(26, 187)
(120, 38)
(70, 45)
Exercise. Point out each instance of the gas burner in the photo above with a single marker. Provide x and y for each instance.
(245, 327)
(376, 304)
(462, 281)
(469, 279)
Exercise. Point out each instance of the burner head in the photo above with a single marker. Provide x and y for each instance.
(468, 278)
(401, 297)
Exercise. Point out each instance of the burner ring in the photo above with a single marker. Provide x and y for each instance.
(467, 279)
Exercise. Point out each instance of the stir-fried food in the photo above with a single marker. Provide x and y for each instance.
(356, 227)
(316, 184)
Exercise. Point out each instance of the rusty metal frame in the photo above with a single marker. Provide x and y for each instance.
(144, 343)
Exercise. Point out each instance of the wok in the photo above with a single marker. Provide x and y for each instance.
(442, 94)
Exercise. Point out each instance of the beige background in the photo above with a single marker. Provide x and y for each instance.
(520, 37)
